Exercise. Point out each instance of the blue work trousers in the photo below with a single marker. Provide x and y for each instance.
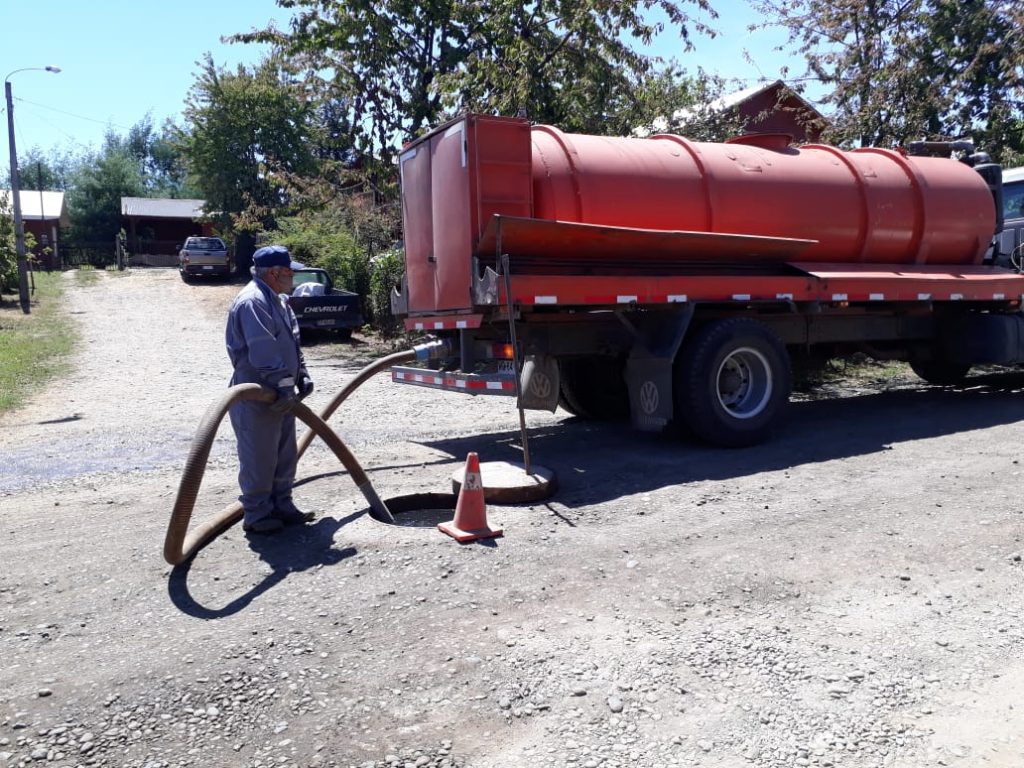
(267, 455)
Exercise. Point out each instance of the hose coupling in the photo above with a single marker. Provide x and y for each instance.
(433, 350)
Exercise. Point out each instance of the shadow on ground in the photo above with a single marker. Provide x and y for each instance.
(297, 548)
(598, 462)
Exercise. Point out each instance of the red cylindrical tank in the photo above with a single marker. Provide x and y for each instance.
(869, 205)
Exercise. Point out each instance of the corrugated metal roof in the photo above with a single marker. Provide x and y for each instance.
(162, 208)
(48, 205)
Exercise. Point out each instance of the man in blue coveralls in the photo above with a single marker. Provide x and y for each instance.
(263, 343)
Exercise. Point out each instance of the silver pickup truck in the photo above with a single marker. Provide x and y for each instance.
(203, 257)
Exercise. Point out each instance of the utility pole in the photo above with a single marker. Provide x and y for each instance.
(19, 225)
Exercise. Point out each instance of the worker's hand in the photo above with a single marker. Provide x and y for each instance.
(286, 400)
(305, 385)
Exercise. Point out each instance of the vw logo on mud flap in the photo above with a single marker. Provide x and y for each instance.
(649, 397)
(540, 385)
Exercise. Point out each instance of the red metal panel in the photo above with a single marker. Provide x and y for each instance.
(417, 223)
(874, 284)
(567, 241)
(452, 211)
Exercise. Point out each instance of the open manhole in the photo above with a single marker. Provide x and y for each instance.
(419, 510)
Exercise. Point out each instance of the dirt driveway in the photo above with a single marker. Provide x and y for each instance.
(849, 594)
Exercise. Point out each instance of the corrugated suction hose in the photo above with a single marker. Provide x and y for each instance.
(179, 544)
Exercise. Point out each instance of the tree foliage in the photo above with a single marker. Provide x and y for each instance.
(245, 132)
(896, 70)
(102, 179)
(397, 68)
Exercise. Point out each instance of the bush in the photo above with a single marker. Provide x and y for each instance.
(385, 275)
(323, 242)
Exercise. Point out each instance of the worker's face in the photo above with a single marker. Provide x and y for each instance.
(283, 277)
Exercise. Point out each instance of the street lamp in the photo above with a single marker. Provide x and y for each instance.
(19, 227)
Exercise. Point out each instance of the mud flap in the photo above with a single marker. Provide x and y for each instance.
(649, 369)
(649, 380)
(539, 383)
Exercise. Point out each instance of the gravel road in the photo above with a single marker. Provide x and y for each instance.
(848, 595)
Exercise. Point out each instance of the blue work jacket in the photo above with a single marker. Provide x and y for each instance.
(262, 338)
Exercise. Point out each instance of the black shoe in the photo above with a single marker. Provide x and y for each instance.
(293, 516)
(269, 524)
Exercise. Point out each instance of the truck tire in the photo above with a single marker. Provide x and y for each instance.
(593, 388)
(732, 381)
(940, 372)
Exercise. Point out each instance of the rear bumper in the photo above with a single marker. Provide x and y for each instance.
(330, 323)
(467, 383)
(205, 269)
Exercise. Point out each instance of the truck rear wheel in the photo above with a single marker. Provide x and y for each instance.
(732, 382)
(593, 388)
(940, 372)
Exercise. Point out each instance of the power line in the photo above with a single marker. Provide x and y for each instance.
(72, 114)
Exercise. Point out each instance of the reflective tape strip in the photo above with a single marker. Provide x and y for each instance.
(876, 296)
(676, 298)
(460, 383)
(625, 299)
(784, 296)
(998, 296)
(839, 297)
(924, 297)
(438, 325)
(955, 296)
(741, 297)
(545, 299)
(495, 385)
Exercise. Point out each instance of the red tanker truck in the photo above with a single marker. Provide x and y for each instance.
(673, 282)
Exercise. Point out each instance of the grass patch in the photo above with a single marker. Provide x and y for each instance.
(34, 348)
(86, 274)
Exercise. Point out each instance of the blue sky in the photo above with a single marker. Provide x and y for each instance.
(122, 60)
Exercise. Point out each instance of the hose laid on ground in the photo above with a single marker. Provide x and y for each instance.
(178, 545)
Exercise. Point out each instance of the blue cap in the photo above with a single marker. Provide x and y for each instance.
(272, 256)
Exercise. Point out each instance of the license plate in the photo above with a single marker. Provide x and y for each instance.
(325, 322)
(208, 267)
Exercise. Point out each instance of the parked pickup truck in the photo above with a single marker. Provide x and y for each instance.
(318, 305)
(203, 257)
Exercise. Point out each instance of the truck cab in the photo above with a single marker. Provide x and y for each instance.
(1012, 238)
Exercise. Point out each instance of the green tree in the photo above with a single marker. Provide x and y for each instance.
(56, 170)
(246, 132)
(160, 156)
(398, 67)
(94, 199)
(862, 51)
(974, 47)
(897, 70)
(8, 254)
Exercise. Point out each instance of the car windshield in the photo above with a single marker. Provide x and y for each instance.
(1013, 200)
(205, 243)
(309, 277)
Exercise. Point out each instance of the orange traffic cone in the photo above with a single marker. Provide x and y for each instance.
(470, 521)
